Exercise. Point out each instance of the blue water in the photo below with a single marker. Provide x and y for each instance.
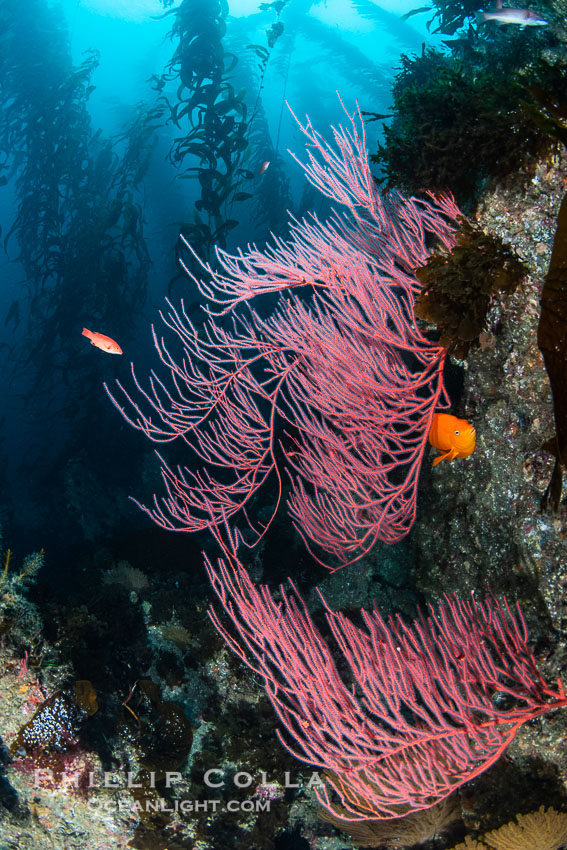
(327, 47)
(106, 635)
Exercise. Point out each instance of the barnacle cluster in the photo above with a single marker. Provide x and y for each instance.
(53, 728)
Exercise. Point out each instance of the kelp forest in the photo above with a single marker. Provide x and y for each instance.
(78, 230)
(283, 424)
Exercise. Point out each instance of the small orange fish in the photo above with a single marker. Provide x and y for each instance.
(105, 343)
(456, 437)
(264, 167)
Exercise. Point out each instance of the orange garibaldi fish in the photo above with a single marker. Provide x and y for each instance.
(455, 437)
(105, 343)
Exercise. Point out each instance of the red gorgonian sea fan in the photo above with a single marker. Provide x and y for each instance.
(340, 359)
(416, 711)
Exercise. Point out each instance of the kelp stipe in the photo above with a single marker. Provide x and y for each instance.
(78, 224)
(552, 341)
(212, 117)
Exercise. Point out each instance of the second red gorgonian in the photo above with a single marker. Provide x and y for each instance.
(340, 362)
(412, 711)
